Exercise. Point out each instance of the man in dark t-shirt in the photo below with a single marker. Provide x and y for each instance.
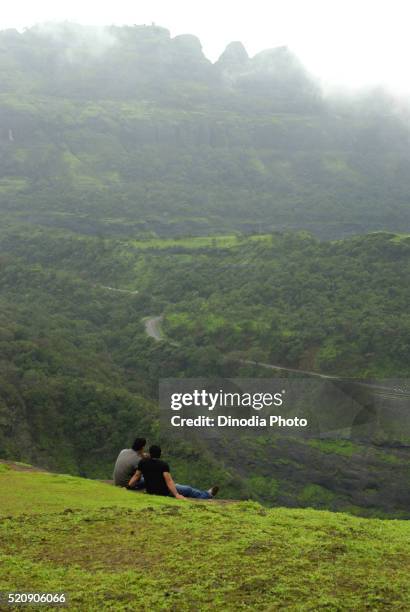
(158, 479)
(154, 471)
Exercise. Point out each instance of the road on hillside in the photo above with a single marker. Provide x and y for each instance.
(129, 291)
(387, 392)
(272, 366)
(153, 329)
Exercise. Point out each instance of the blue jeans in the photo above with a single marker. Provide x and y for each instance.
(139, 486)
(188, 491)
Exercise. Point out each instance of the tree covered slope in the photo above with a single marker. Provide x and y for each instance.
(79, 375)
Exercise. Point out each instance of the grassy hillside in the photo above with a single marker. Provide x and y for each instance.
(111, 549)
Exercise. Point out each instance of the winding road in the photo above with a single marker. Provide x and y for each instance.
(272, 366)
(153, 329)
(129, 291)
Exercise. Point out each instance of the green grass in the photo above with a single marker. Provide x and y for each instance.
(11, 184)
(346, 448)
(400, 237)
(317, 495)
(338, 447)
(199, 242)
(110, 549)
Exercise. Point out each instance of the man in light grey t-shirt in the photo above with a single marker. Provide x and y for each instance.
(127, 463)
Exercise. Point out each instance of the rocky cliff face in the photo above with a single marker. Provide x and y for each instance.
(144, 62)
(233, 62)
(122, 108)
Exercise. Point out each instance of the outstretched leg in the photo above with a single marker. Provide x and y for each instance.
(188, 491)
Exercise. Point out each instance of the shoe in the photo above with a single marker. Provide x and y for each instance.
(213, 490)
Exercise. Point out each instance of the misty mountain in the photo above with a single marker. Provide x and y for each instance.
(126, 130)
(145, 63)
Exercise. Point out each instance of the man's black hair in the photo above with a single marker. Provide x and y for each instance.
(139, 444)
(155, 451)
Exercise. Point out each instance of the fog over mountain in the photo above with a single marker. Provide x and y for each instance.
(348, 44)
(90, 116)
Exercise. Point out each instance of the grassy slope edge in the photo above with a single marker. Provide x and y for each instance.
(114, 550)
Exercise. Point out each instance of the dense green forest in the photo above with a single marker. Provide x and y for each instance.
(127, 131)
(80, 375)
(338, 307)
(263, 222)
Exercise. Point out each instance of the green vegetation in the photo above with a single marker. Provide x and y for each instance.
(110, 549)
(140, 183)
(191, 242)
(317, 495)
(127, 132)
(79, 374)
(340, 447)
(139, 180)
(336, 307)
(333, 307)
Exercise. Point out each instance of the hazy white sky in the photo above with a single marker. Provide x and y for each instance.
(348, 42)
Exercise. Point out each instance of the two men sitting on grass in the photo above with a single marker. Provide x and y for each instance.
(134, 469)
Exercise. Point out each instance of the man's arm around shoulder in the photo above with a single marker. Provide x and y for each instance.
(134, 479)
